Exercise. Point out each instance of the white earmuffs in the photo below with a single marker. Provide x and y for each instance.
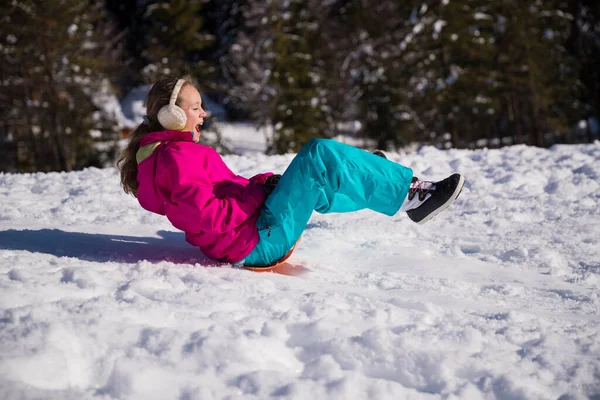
(172, 116)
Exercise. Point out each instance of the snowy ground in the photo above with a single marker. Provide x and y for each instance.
(497, 298)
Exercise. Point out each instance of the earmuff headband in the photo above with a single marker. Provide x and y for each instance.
(175, 92)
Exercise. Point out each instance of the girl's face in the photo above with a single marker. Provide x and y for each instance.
(191, 103)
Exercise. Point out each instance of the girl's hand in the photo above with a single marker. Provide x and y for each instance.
(271, 183)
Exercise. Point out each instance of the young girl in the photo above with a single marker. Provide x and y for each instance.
(256, 221)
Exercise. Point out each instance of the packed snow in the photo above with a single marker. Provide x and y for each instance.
(496, 298)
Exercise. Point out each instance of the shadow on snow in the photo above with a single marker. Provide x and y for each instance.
(170, 246)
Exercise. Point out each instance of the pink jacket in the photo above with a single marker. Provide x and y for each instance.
(192, 186)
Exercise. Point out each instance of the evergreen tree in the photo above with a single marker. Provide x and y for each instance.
(53, 59)
(373, 70)
(175, 38)
(486, 70)
(538, 78)
(584, 45)
(129, 17)
(225, 18)
(452, 53)
(276, 74)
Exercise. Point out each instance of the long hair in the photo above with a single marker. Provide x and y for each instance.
(158, 96)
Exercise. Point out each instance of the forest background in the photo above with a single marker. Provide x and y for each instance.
(448, 73)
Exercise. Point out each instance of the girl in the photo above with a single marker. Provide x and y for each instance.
(255, 222)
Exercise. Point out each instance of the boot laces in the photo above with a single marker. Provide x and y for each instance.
(420, 187)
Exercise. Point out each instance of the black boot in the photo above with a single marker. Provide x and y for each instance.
(433, 197)
(380, 153)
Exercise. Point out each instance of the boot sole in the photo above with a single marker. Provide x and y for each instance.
(455, 194)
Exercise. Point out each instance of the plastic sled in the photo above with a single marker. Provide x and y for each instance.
(279, 264)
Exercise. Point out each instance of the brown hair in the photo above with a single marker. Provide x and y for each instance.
(158, 96)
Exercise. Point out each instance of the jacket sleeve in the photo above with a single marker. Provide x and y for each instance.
(191, 205)
(261, 178)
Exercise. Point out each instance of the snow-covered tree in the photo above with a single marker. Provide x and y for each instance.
(375, 72)
(535, 72)
(275, 71)
(492, 69)
(53, 58)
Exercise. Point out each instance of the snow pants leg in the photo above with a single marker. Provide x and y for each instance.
(326, 176)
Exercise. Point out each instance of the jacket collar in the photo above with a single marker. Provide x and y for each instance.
(151, 141)
(161, 136)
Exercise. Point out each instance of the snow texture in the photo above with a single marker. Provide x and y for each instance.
(496, 298)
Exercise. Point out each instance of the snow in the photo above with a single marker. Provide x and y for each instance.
(245, 138)
(478, 16)
(133, 104)
(106, 100)
(495, 298)
(438, 26)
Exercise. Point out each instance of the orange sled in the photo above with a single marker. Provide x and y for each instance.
(277, 263)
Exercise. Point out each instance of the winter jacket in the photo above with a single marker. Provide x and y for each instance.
(199, 194)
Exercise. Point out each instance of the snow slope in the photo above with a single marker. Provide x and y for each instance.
(497, 298)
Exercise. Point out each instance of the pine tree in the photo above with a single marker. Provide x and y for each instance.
(225, 19)
(451, 73)
(129, 17)
(54, 57)
(584, 45)
(538, 78)
(275, 73)
(456, 92)
(487, 70)
(373, 67)
(175, 37)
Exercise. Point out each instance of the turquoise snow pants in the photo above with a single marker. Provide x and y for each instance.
(326, 176)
